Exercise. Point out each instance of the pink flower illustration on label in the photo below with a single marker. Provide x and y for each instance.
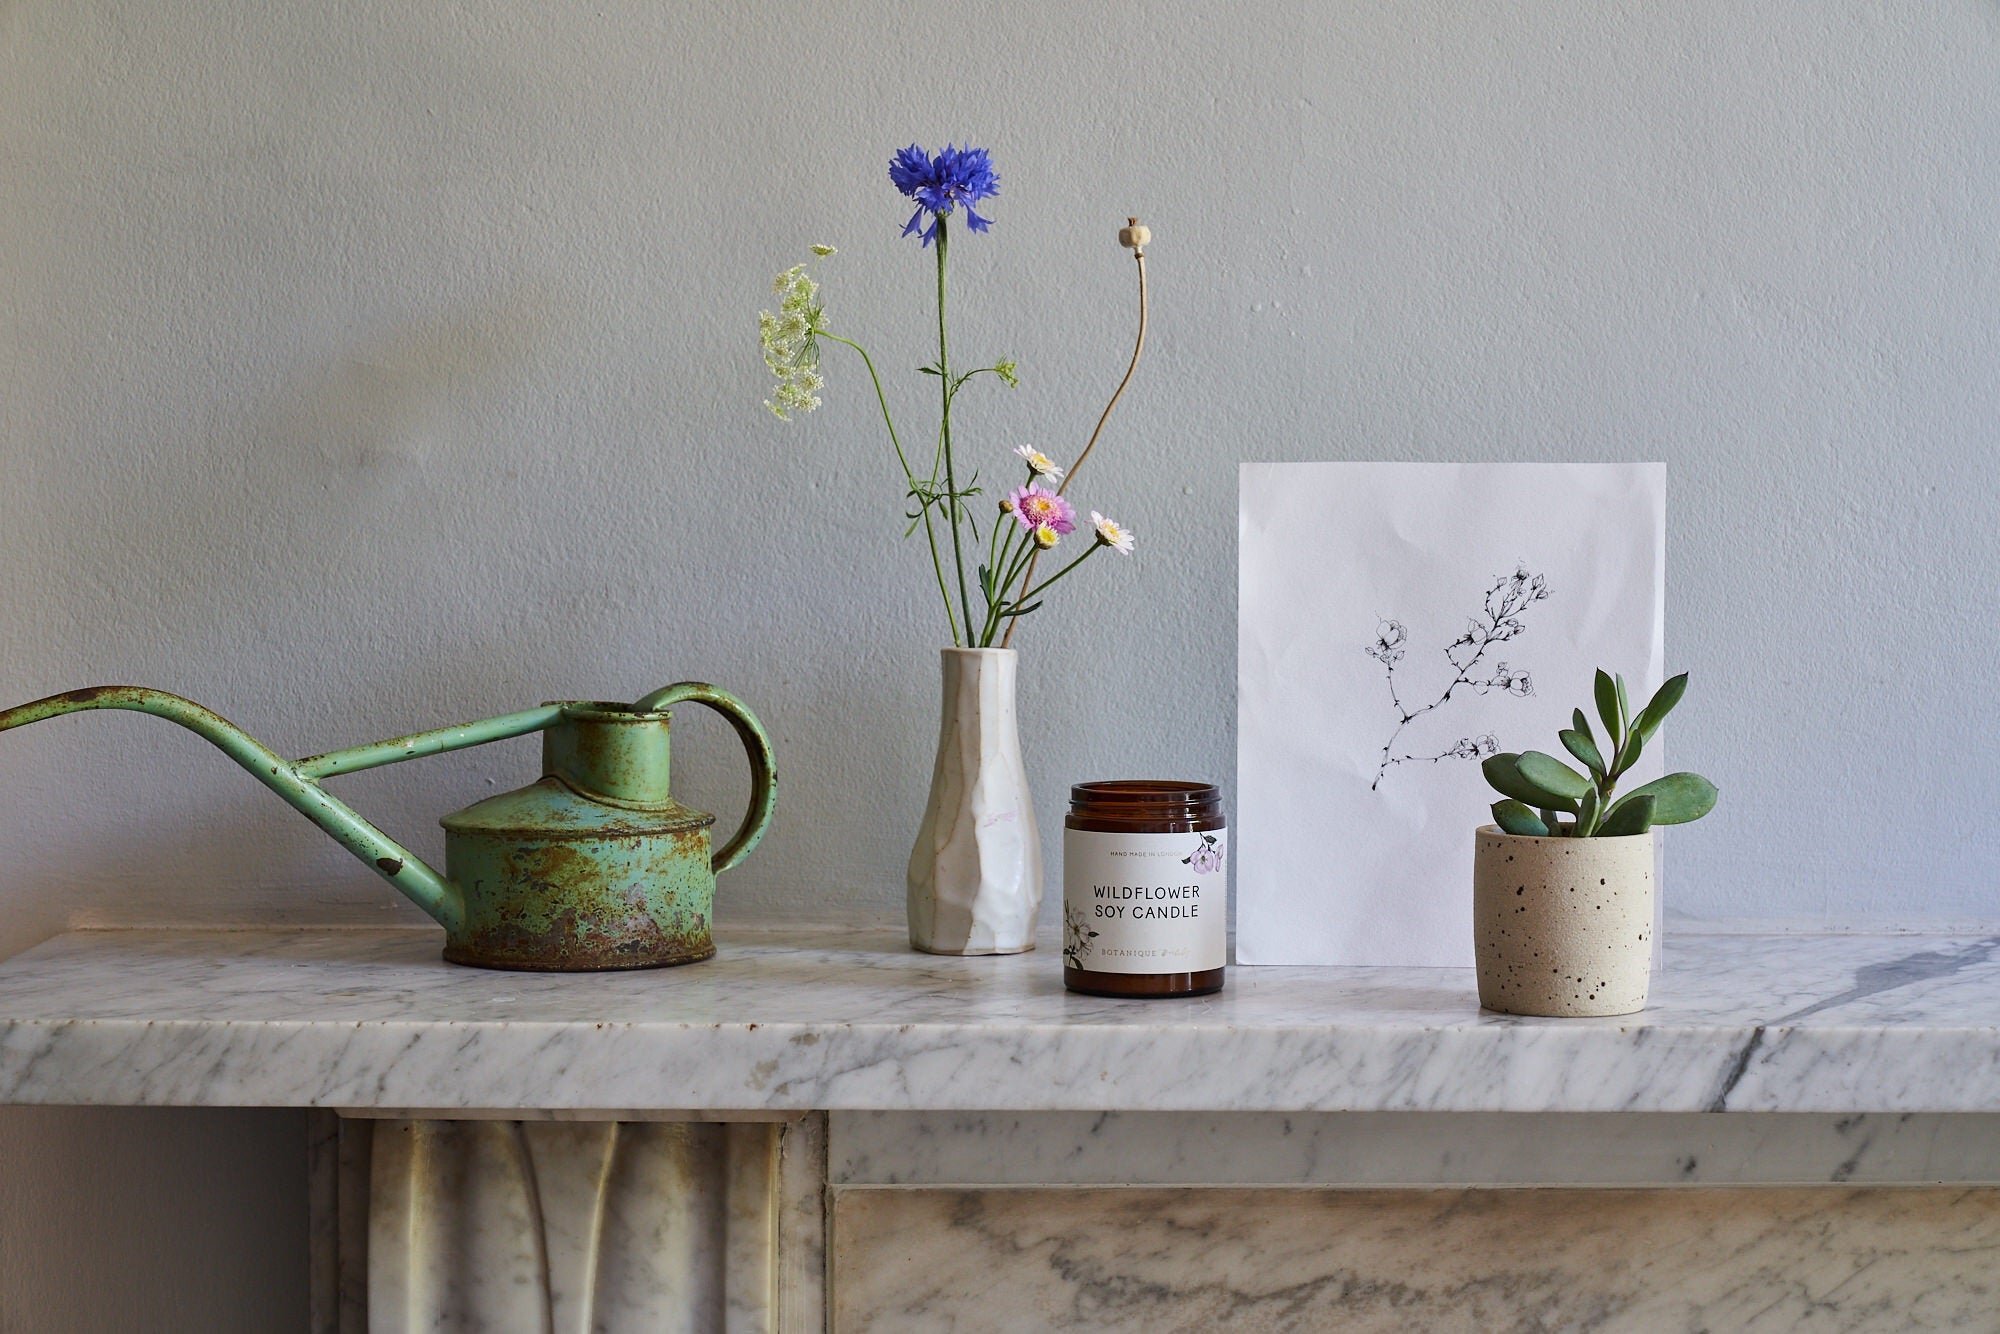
(1206, 859)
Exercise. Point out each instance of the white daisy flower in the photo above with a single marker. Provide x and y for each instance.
(1038, 463)
(1112, 533)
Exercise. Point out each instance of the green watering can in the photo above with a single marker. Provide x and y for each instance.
(593, 866)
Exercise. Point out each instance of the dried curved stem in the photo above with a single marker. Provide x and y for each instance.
(1138, 347)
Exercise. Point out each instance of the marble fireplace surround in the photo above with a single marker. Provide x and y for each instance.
(822, 1129)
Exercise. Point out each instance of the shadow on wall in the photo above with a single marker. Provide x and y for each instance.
(392, 398)
(80, 1183)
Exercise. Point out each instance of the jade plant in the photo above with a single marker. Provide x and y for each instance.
(1546, 798)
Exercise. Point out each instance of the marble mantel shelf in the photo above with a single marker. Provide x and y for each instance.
(787, 1021)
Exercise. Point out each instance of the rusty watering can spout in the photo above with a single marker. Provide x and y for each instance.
(594, 866)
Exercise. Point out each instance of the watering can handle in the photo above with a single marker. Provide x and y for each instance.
(763, 763)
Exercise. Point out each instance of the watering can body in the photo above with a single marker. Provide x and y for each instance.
(593, 866)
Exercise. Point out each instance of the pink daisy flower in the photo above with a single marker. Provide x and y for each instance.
(1035, 508)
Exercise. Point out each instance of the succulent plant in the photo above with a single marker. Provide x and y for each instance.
(1540, 790)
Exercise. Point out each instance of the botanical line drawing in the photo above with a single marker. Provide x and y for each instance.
(1499, 621)
(1077, 936)
(1206, 859)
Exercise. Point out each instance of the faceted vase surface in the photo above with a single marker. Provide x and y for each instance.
(975, 878)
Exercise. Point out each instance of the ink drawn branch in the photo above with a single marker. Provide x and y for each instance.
(1498, 622)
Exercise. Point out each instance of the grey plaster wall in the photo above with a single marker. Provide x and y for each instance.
(374, 365)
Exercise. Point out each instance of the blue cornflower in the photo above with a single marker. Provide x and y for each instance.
(955, 176)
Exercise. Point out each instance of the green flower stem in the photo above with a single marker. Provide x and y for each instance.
(930, 534)
(999, 550)
(1044, 586)
(950, 476)
(1015, 561)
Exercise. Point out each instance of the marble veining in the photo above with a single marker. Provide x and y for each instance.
(1414, 1149)
(1846, 1261)
(833, 1019)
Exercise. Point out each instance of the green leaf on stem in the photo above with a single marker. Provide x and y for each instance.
(1515, 818)
(1607, 706)
(1677, 798)
(1503, 772)
(1633, 815)
(1624, 704)
(1660, 705)
(1551, 775)
(1582, 724)
(1581, 746)
(1627, 756)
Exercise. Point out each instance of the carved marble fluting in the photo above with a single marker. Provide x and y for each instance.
(853, 1019)
(1845, 1261)
(577, 1227)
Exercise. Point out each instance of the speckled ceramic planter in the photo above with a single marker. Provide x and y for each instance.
(1562, 926)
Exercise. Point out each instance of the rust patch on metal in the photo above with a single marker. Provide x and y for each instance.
(98, 694)
(389, 865)
(625, 903)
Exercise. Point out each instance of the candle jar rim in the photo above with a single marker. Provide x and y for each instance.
(1143, 792)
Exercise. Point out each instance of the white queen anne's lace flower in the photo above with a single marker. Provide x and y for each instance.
(788, 342)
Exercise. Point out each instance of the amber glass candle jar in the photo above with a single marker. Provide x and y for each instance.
(1145, 889)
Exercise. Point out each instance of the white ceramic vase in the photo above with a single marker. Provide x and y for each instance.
(1562, 926)
(975, 882)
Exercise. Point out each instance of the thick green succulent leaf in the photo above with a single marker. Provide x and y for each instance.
(1607, 705)
(1633, 815)
(1624, 703)
(1503, 773)
(1582, 724)
(1581, 746)
(1628, 754)
(1586, 814)
(1678, 798)
(1551, 775)
(1515, 818)
(1549, 819)
(1660, 705)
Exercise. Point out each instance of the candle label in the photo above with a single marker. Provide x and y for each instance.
(1145, 903)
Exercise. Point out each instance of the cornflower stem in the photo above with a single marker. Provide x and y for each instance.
(950, 475)
(1138, 347)
(930, 533)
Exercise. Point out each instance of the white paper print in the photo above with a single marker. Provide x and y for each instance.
(1397, 623)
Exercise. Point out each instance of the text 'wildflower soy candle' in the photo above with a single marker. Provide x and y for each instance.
(1145, 889)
